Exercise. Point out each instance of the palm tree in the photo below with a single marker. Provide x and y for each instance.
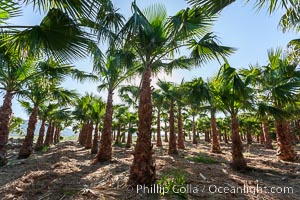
(36, 92)
(98, 109)
(180, 91)
(197, 93)
(44, 112)
(154, 38)
(169, 90)
(14, 73)
(213, 107)
(82, 114)
(234, 95)
(158, 101)
(117, 68)
(131, 120)
(61, 118)
(281, 84)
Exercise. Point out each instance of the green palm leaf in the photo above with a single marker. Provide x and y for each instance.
(57, 35)
(9, 9)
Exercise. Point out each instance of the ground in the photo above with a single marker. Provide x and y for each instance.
(68, 171)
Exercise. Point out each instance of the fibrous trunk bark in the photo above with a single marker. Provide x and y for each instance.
(27, 145)
(180, 131)
(158, 141)
(123, 137)
(118, 137)
(39, 143)
(166, 133)
(129, 138)
(5, 120)
(291, 132)
(285, 149)
(52, 133)
(105, 150)
(142, 170)
(249, 137)
(94, 149)
(57, 135)
(262, 138)
(225, 137)
(80, 136)
(215, 146)
(267, 135)
(85, 130)
(172, 141)
(238, 161)
(48, 134)
(206, 136)
(89, 136)
(194, 131)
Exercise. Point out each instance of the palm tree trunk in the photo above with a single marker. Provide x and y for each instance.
(249, 137)
(39, 143)
(52, 133)
(89, 136)
(118, 134)
(298, 129)
(238, 161)
(215, 146)
(129, 138)
(267, 135)
(94, 149)
(5, 120)
(105, 150)
(291, 132)
(56, 135)
(48, 134)
(85, 131)
(285, 148)
(172, 141)
(27, 146)
(225, 137)
(180, 131)
(80, 137)
(123, 136)
(262, 138)
(142, 170)
(194, 131)
(158, 142)
(166, 133)
(206, 136)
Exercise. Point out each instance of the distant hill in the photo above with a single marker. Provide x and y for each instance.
(65, 132)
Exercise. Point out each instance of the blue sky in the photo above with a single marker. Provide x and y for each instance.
(239, 26)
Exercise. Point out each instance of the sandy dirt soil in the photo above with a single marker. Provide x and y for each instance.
(68, 171)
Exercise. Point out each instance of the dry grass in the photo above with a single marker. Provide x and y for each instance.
(67, 171)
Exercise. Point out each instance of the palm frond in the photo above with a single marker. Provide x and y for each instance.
(58, 35)
(74, 8)
(213, 6)
(9, 9)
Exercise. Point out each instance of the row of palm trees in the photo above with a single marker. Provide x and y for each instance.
(146, 44)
